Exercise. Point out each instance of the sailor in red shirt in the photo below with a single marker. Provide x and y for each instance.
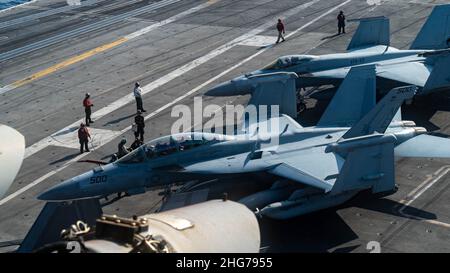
(87, 103)
(281, 31)
(83, 136)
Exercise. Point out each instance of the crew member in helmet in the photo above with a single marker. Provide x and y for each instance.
(87, 103)
(83, 136)
(122, 150)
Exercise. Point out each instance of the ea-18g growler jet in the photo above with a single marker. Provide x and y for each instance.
(424, 65)
(324, 165)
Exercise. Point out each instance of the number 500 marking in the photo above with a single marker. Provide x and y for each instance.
(98, 179)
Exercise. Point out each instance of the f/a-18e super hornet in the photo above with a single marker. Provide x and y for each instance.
(324, 165)
(425, 64)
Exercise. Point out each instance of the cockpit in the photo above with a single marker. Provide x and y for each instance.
(168, 145)
(288, 61)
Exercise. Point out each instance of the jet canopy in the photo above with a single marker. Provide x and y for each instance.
(167, 145)
(288, 61)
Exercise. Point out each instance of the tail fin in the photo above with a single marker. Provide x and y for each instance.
(398, 116)
(379, 118)
(371, 32)
(353, 100)
(397, 120)
(439, 77)
(275, 89)
(267, 89)
(435, 33)
(369, 157)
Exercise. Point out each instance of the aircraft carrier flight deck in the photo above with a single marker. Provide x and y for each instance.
(52, 53)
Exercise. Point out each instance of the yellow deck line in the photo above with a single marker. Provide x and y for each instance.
(83, 56)
(68, 62)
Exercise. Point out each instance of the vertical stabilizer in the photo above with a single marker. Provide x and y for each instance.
(371, 32)
(353, 100)
(435, 33)
(379, 118)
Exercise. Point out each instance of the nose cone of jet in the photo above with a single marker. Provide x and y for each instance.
(67, 190)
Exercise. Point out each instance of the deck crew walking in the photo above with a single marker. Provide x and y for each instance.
(281, 31)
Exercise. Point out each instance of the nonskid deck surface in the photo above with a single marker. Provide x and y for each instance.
(52, 54)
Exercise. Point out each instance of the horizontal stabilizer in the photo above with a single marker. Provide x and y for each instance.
(371, 32)
(379, 118)
(57, 216)
(369, 166)
(435, 33)
(424, 146)
(353, 100)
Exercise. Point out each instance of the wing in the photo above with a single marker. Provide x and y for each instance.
(312, 167)
(332, 74)
(412, 73)
(406, 73)
(326, 77)
(424, 146)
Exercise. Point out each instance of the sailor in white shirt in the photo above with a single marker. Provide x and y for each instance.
(138, 96)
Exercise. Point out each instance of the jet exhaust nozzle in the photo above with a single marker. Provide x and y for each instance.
(403, 123)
